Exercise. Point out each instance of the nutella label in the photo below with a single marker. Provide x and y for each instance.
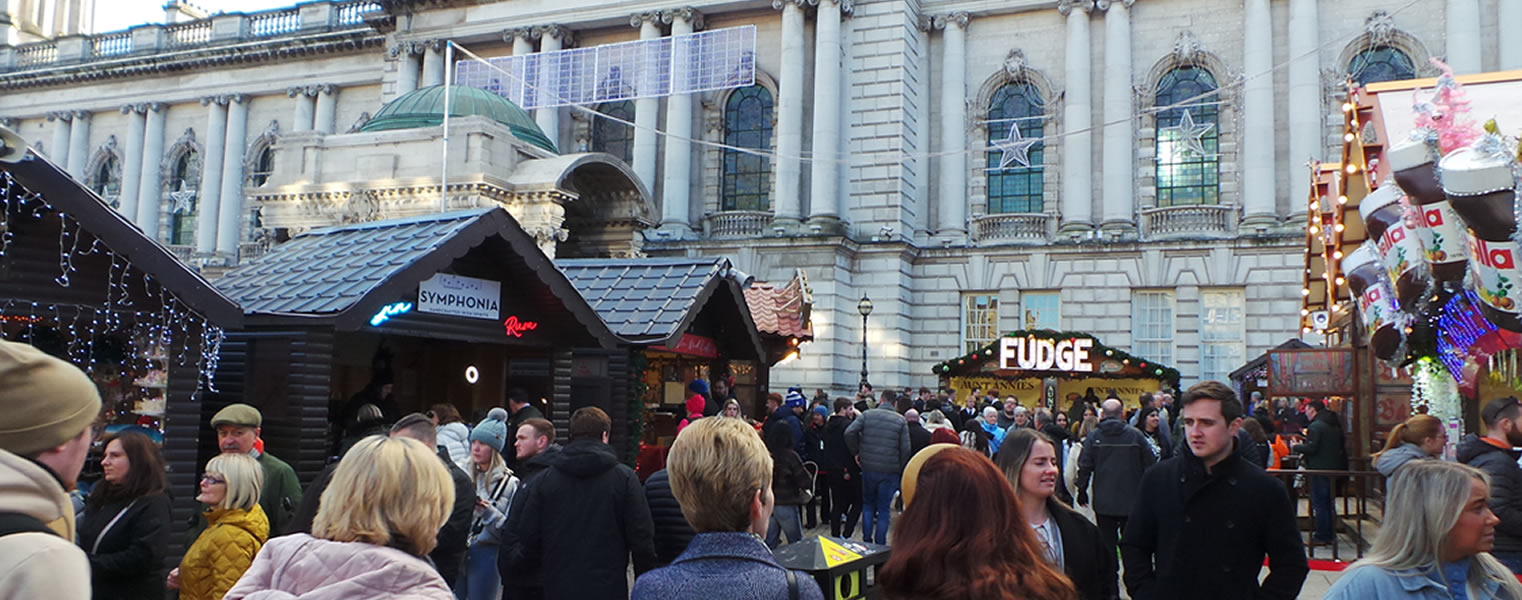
(1442, 234)
(1495, 273)
(1376, 305)
(1398, 250)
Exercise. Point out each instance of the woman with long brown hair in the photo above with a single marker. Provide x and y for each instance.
(983, 554)
(1421, 436)
(125, 526)
(1069, 541)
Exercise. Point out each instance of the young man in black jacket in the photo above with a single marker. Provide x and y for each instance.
(1493, 454)
(845, 473)
(1204, 520)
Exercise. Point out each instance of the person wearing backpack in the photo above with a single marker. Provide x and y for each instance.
(45, 433)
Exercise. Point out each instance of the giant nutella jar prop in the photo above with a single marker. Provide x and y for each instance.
(1482, 191)
(1440, 231)
(1376, 302)
(1385, 220)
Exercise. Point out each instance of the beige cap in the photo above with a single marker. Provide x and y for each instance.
(46, 401)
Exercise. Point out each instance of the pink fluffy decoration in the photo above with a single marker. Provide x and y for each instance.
(1448, 113)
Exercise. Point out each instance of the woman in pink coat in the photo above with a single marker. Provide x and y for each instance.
(379, 517)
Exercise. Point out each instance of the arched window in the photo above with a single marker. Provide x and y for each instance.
(182, 200)
(1381, 63)
(612, 136)
(1188, 139)
(747, 124)
(1015, 189)
(107, 181)
(263, 167)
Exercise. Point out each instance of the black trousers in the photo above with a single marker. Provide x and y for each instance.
(845, 501)
(817, 511)
(1110, 529)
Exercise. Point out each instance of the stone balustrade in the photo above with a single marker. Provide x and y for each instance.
(1035, 228)
(737, 224)
(212, 31)
(1203, 220)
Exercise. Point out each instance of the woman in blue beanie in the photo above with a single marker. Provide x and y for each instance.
(495, 486)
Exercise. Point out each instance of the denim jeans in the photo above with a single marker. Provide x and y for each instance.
(480, 580)
(784, 520)
(1321, 508)
(877, 491)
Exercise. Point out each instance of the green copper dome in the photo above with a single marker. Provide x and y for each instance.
(425, 108)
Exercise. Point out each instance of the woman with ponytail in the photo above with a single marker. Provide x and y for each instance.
(1421, 436)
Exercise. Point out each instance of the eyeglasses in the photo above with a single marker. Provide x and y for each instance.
(212, 480)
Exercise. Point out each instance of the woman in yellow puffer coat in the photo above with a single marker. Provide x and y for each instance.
(236, 529)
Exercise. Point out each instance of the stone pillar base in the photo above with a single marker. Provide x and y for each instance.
(824, 225)
(1258, 224)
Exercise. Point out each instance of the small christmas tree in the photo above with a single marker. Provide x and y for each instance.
(1448, 112)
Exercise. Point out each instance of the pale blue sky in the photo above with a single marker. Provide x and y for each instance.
(115, 15)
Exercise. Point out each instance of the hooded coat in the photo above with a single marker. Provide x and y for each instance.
(1505, 487)
(521, 578)
(39, 564)
(454, 438)
(301, 567)
(581, 521)
(222, 553)
(1393, 458)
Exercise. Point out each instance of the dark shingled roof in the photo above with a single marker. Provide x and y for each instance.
(653, 300)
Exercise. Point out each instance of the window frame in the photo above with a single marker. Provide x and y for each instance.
(1025, 309)
(183, 226)
(1032, 122)
(1360, 65)
(989, 315)
(1157, 348)
(1194, 180)
(1214, 365)
(263, 167)
(759, 138)
(601, 139)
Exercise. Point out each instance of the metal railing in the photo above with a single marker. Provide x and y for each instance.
(277, 22)
(37, 54)
(188, 34)
(353, 13)
(1358, 502)
(1194, 220)
(1030, 227)
(111, 44)
(738, 223)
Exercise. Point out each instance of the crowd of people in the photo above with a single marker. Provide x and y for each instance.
(427, 507)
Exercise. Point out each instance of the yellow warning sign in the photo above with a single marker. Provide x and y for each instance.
(835, 554)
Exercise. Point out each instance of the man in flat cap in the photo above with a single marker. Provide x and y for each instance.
(47, 411)
(238, 427)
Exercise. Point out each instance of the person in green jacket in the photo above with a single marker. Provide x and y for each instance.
(1324, 450)
(238, 427)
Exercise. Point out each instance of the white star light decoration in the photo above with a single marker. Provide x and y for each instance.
(1016, 148)
(1188, 135)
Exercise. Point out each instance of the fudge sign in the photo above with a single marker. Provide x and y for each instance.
(460, 296)
(1041, 354)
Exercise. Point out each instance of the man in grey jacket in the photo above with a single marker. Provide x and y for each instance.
(880, 441)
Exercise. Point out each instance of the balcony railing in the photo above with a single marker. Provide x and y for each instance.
(193, 33)
(278, 22)
(184, 253)
(1188, 221)
(353, 13)
(1014, 227)
(738, 223)
(112, 44)
(40, 53)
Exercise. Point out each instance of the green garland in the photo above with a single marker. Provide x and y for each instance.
(985, 353)
(637, 388)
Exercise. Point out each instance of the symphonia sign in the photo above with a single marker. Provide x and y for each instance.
(1033, 353)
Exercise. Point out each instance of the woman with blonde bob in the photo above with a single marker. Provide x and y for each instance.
(378, 519)
(1421, 436)
(721, 475)
(1435, 541)
(236, 529)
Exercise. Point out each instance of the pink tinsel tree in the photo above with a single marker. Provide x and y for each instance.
(1448, 113)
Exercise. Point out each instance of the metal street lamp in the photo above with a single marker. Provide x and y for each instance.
(865, 308)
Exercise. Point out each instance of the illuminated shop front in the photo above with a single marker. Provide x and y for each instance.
(1043, 368)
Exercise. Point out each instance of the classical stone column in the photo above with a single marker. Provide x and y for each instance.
(952, 191)
(79, 144)
(824, 184)
(647, 109)
(1257, 140)
(433, 63)
(406, 66)
(1304, 96)
(787, 205)
(1119, 164)
(230, 217)
(1463, 33)
(551, 39)
(132, 161)
(676, 185)
(1077, 117)
(208, 204)
(327, 108)
(1509, 19)
(58, 149)
(302, 119)
(149, 180)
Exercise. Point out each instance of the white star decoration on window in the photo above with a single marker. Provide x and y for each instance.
(1188, 136)
(1016, 148)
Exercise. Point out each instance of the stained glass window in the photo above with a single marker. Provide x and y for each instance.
(747, 124)
(1184, 175)
(1015, 189)
(1381, 63)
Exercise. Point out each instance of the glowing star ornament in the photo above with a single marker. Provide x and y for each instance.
(1016, 148)
(1188, 136)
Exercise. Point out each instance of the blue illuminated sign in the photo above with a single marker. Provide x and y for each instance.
(390, 310)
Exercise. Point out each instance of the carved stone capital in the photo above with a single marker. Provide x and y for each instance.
(780, 4)
(1106, 4)
(1066, 7)
(959, 19)
(154, 107)
(639, 19)
(689, 14)
(9, 122)
(82, 115)
(59, 115)
(846, 6)
(237, 98)
(517, 33)
(404, 49)
(559, 32)
(210, 100)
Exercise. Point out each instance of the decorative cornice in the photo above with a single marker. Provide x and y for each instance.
(691, 15)
(959, 18)
(1066, 7)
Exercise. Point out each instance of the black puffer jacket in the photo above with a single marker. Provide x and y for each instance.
(127, 561)
(672, 532)
(520, 578)
(1115, 455)
(582, 520)
(1203, 535)
(1505, 487)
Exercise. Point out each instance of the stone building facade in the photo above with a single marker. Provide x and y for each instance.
(1162, 208)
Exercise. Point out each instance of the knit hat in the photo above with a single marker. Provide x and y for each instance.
(695, 404)
(820, 410)
(698, 386)
(795, 398)
(493, 430)
(241, 415)
(47, 401)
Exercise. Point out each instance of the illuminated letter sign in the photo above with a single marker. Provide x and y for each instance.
(1041, 354)
(388, 311)
(515, 328)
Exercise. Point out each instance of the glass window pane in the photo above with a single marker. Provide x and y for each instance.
(747, 124)
(1015, 104)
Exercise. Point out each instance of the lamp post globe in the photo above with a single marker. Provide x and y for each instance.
(865, 308)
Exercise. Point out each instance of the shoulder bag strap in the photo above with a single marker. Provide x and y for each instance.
(102, 535)
(792, 584)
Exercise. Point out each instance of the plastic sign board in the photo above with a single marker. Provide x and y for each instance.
(1033, 353)
(835, 554)
(460, 296)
